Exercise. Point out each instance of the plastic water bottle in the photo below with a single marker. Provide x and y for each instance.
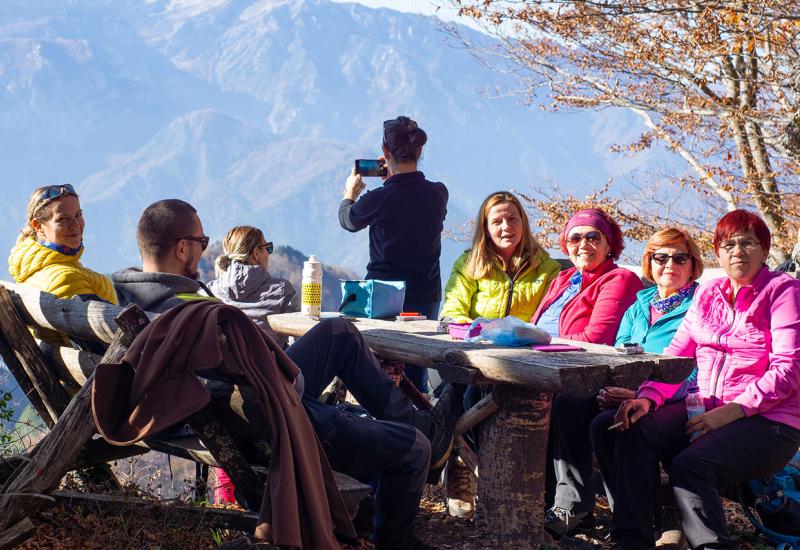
(694, 407)
(311, 297)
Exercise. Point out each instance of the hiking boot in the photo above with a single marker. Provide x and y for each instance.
(443, 421)
(559, 522)
(460, 483)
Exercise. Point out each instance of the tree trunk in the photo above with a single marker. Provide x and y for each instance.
(510, 498)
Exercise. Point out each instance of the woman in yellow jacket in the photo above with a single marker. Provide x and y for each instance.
(505, 272)
(48, 250)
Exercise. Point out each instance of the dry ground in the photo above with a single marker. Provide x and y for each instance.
(156, 528)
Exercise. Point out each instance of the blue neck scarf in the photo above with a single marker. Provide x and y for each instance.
(63, 249)
(664, 305)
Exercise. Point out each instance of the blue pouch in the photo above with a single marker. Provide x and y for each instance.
(373, 298)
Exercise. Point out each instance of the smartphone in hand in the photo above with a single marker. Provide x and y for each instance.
(371, 168)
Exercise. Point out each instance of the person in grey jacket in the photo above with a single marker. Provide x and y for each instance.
(395, 447)
(243, 279)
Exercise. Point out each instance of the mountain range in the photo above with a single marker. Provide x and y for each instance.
(253, 111)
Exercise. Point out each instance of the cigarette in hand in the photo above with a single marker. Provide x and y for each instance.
(615, 425)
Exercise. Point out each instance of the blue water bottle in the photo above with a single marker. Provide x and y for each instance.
(694, 407)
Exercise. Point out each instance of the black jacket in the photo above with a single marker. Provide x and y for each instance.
(405, 218)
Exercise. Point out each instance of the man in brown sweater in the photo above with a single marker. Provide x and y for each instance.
(394, 449)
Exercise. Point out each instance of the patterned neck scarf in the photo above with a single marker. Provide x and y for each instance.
(664, 305)
(66, 250)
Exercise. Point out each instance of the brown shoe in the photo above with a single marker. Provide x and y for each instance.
(461, 488)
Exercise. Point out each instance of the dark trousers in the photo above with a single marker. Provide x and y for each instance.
(745, 449)
(416, 374)
(568, 480)
(392, 449)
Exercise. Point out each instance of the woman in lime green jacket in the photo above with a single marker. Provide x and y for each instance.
(505, 272)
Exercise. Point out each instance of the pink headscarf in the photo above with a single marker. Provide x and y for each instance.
(594, 218)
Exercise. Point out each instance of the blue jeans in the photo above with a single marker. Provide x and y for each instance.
(391, 449)
(416, 374)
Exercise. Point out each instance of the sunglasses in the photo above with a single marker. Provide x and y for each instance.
(266, 246)
(680, 258)
(203, 240)
(592, 237)
(54, 191)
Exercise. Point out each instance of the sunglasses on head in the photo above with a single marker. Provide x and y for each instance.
(592, 237)
(266, 246)
(54, 191)
(680, 258)
(203, 240)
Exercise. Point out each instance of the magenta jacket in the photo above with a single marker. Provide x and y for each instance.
(594, 314)
(747, 354)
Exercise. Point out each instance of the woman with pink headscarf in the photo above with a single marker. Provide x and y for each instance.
(585, 303)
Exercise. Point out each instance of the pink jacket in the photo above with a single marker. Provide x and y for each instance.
(747, 354)
(594, 314)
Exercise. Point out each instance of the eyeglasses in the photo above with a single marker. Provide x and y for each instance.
(203, 240)
(747, 245)
(54, 191)
(266, 246)
(680, 258)
(592, 237)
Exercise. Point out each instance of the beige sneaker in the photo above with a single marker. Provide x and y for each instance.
(461, 488)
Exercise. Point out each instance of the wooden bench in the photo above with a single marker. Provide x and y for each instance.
(230, 432)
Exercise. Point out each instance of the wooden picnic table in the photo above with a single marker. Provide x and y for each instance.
(513, 445)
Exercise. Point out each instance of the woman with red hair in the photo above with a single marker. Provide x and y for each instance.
(744, 332)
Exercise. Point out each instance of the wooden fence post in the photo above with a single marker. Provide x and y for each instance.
(57, 452)
(30, 358)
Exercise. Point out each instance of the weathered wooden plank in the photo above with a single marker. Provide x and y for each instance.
(249, 489)
(479, 412)
(25, 383)
(17, 534)
(209, 517)
(191, 448)
(31, 358)
(56, 453)
(461, 375)
(577, 373)
(510, 497)
(93, 320)
(79, 365)
(581, 373)
(97, 452)
(467, 455)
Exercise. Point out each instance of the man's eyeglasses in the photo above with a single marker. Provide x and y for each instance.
(748, 245)
(592, 237)
(266, 246)
(203, 240)
(680, 258)
(54, 191)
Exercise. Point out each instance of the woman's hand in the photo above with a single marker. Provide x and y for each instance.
(630, 411)
(354, 186)
(714, 419)
(612, 396)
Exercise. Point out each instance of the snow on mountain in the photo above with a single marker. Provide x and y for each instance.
(254, 111)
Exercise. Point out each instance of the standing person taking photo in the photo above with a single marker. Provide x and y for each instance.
(405, 218)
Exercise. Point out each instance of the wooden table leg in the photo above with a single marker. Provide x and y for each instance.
(512, 454)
